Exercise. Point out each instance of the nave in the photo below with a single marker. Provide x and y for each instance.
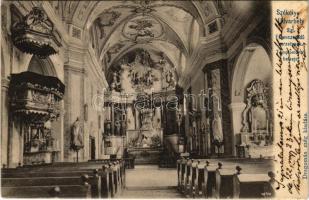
(211, 178)
(150, 181)
(119, 99)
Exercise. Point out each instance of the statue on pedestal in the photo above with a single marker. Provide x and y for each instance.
(77, 137)
(217, 132)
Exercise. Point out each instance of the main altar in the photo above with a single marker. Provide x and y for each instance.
(135, 107)
(145, 143)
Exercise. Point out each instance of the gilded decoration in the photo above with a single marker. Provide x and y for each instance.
(256, 116)
(35, 97)
(35, 34)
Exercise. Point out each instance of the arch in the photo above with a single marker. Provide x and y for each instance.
(96, 9)
(42, 66)
(261, 41)
(166, 26)
(146, 47)
(241, 67)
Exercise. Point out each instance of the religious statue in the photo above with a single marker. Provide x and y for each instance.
(141, 73)
(143, 141)
(217, 131)
(169, 78)
(117, 128)
(115, 85)
(77, 135)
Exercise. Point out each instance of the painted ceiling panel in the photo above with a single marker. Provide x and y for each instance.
(116, 27)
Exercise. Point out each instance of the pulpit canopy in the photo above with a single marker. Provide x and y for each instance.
(34, 97)
(35, 34)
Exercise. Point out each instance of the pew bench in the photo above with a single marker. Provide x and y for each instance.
(201, 178)
(225, 176)
(187, 177)
(63, 191)
(104, 182)
(200, 183)
(58, 178)
(40, 181)
(252, 186)
(182, 171)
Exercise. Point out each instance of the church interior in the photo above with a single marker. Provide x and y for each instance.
(98, 95)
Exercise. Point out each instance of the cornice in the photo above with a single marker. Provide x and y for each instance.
(74, 69)
(74, 54)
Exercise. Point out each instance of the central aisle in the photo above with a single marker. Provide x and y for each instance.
(150, 181)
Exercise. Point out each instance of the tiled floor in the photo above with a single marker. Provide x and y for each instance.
(150, 181)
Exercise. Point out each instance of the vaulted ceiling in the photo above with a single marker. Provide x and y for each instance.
(117, 27)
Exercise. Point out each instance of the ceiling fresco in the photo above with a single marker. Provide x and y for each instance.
(142, 28)
(117, 27)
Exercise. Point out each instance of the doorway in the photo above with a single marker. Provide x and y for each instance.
(92, 147)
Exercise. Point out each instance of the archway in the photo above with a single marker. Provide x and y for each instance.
(253, 63)
(42, 66)
(53, 127)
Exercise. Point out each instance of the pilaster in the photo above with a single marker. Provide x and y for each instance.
(74, 105)
(236, 109)
(4, 121)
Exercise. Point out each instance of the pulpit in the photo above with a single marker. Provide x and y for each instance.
(35, 102)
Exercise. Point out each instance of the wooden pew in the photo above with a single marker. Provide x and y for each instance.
(253, 186)
(224, 176)
(40, 181)
(51, 177)
(211, 179)
(178, 172)
(116, 178)
(206, 180)
(106, 183)
(64, 187)
(188, 176)
(101, 184)
(194, 178)
(63, 191)
(183, 164)
(201, 179)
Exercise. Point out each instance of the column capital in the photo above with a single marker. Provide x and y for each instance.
(74, 69)
(5, 83)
